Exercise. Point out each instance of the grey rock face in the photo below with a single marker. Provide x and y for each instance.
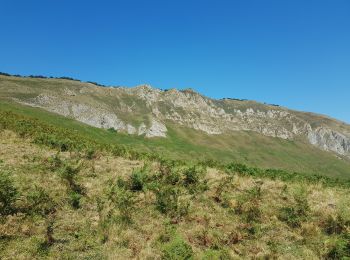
(95, 117)
(330, 140)
(190, 109)
(156, 129)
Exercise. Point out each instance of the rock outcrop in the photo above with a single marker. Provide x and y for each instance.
(330, 140)
(117, 107)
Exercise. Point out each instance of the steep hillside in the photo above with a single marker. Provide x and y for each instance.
(70, 191)
(81, 202)
(145, 111)
(184, 123)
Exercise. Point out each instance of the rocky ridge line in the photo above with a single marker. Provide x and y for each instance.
(190, 109)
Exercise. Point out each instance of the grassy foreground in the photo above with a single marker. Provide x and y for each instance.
(63, 195)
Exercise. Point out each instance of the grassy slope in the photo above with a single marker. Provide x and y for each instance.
(184, 143)
(239, 222)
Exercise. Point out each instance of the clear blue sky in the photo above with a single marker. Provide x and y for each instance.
(294, 53)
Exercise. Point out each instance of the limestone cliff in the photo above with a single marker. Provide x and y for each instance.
(144, 110)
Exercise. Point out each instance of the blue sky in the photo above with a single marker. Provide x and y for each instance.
(293, 53)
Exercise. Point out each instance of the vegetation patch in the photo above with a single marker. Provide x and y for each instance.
(67, 196)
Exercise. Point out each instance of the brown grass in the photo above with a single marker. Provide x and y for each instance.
(215, 225)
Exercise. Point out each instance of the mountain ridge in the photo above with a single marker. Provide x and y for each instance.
(217, 124)
(192, 109)
(189, 89)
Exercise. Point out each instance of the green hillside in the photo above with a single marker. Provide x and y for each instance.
(67, 192)
(183, 143)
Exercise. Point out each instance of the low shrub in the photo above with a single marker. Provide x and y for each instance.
(238, 167)
(74, 199)
(38, 202)
(168, 202)
(337, 248)
(8, 194)
(90, 153)
(283, 175)
(166, 166)
(122, 200)
(167, 199)
(69, 173)
(194, 179)
(192, 176)
(138, 179)
(177, 248)
(225, 185)
(54, 162)
(173, 178)
(334, 225)
(248, 205)
(297, 212)
(219, 254)
(112, 130)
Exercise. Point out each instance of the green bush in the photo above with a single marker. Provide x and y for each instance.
(62, 144)
(210, 163)
(39, 202)
(172, 245)
(290, 216)
(69, 173)
(166, 166)
(297, 212)
(192, 176)
(8, 194)
(122, 199)
(168, 234)
(138, 179)
(168, 202)
(177, 249)
(167, 199)
(90, 153)
(237, 167)
(119, 151)
(225, 185)
(173, 177)
(254, 193)
(248, 205)
(216, 254)
(194, 179)
(74, 199)
(334, 225)
(54, 162)
(337, 248)
(249, 210)
(283, 175)
(168, 173)
(112, 130)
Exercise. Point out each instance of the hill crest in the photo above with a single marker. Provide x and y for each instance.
(143, 110)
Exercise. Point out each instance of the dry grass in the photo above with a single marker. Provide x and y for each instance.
(237, 217)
